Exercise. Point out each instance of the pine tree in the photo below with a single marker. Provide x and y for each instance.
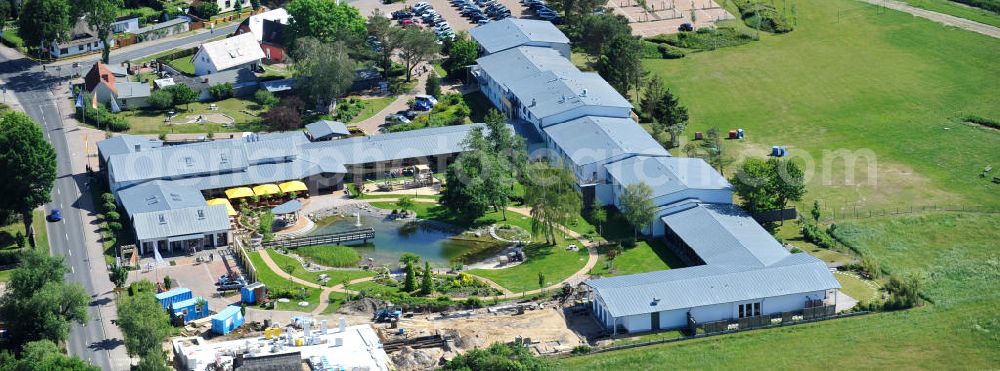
(427, 286)
(410, 282)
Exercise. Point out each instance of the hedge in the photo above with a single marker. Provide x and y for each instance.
(102, 119)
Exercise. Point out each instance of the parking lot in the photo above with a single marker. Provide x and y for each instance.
(445, 8)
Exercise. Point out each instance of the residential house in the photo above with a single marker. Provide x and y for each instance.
(82, 39)
(326, 130)
(163, 29)
(228, 5)
(128, 23)
(269, 30)
(102, 82)
(240, 51)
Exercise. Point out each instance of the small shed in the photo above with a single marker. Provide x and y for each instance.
(169, 297)
(253, 293)
(326, 130)
(227, 320)
(190, 310)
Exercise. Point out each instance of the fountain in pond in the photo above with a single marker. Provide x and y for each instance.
(357, 219)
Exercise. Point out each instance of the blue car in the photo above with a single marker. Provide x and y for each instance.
(55, 215)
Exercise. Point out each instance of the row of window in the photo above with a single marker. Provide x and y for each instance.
(749, 310)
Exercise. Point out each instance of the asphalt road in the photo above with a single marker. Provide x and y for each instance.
(31, 85)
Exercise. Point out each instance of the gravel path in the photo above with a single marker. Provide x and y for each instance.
(946, 19)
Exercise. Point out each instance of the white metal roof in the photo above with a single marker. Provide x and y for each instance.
(180, 222)
(513, 32)
(667, 175)
(726, 235)
(233, 51)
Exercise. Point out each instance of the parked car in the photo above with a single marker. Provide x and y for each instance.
(482, 21)
(426, 98)
(396, 119)
(685, 27)
(401, 14)
(55, 215)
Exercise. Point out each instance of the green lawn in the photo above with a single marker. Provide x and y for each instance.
(336, 275)
(152, 121)
(555, 262)
(183, 64)
(272, 280)
(885, 86)
(857, 288)
(8, 232)
(956, 255)
(372, 106)
(644, 257)
(330, 255)
(958, 10)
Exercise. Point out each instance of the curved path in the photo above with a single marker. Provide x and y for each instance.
(942, 18)
(324, 297)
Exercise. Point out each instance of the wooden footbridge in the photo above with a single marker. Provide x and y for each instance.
(362, 234)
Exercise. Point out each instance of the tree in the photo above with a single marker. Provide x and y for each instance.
(498, 356)
(45, 355)
(466, 192)
(417, 46)
(670, 115)
(265, 98)
(597, 31)
(5, 10)
(255, 4)
(206, 9)
(168, 283)
(598, 216)
(816, 212)
(100, 15)
(427, 284)
(389, 39)
(154, 361)
(182, 94)
(44, 21)
(652, 97)
(404, 202)
(27, 167)
(221, 91)
(119, 275)
(323, 72)
(786, 183)
(410, 282)
(637, 205)
(409, 257)
(238, 6)
(161, 99)
(462, 53)
(750, 183)
(612, 253)
(283, 118)
(143, 322)
(541, 280)
(38, 294)
(550, 195)
(325, 20)
(433, 85)
(619, 63)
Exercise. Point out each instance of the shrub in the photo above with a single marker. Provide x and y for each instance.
(669, 52)
(221, 91)
(103, 119)
(473, 302)
(161, 99)
(816, 235)
(711, 39)
(984, 121)
(205, 9)
(580, 349)
(763, 17)
(903, 293)
(107, 197)
(265, 98)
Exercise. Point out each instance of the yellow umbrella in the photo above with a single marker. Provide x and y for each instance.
(239, 192)
(293, 186)
(266, 189)
(222, 201)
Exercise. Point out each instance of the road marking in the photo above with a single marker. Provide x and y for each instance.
(73, 270)
(58, 192)
(67, 236)
(70, 252)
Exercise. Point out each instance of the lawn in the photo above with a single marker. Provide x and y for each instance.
(857, 288)
(884, 86)
(644, 257)
(330, 255)
(337, 276)
(272, 280)
(183, 64)
(244, 112)
(956, 255)
(959, 10)
(372, 106)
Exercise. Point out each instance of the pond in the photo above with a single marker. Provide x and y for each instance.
(438, 243)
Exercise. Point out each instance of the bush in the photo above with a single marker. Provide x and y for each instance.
(669, 52)
(205, 10)
(161, 99)
(816, 235)
(763, 17)
(473, 302)
(221, 91)
(903, 293)
(265, 98)
(580, 349)
(102, 119)
(984, 121)
(711, 39)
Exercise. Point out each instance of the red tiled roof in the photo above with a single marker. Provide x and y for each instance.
(97, 75)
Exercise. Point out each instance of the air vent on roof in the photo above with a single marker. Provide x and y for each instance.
(151, 200)
(189, 161)
(163, 219)
(584, 93)
(175, 197)
(201, 214)
(655, 302)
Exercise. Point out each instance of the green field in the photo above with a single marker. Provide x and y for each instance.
(959, 10)
(152, 121)
(183, 64)
(883, 85)
(961, 268)
(330, 255)
(8, 233)
(273, 281)
(373, 106)
(337, 276)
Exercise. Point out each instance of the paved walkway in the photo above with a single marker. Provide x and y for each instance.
(371, 125)
(574, 279)
(946, 19)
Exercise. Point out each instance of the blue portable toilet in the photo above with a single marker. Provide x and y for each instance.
(169, 297)
(227, 320)
(249, 294)
(188, 309)
(775, 151)
(739, 133)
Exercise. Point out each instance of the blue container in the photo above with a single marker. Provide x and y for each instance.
(188, 309)
(249, 293)
(739, 133)
(227, 320)
(173, 296)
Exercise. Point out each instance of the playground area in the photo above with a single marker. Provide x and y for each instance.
(651, 18)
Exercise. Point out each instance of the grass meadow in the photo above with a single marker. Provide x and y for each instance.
(851, 78)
